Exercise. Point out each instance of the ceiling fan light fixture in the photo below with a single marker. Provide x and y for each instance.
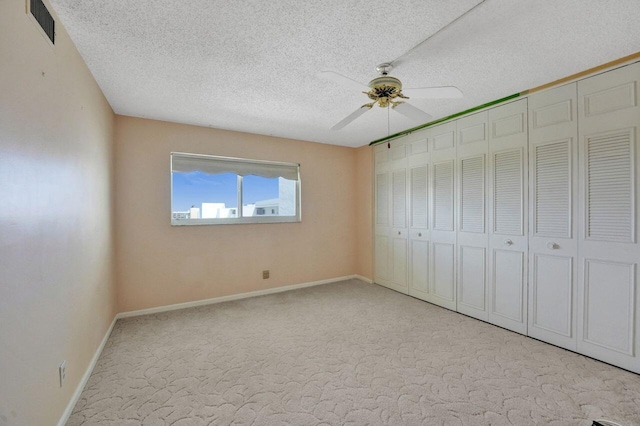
(385, 89)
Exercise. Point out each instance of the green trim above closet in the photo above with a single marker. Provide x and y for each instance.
(440, 120)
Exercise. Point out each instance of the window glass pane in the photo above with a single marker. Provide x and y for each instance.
(211, 190)
(198, 195)
(268, 196)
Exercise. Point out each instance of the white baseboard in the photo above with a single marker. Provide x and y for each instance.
(76, 395)
(239, 296)
(362, 278)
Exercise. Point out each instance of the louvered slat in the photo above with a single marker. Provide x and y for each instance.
(472, 200)
(419, 195)
(44, 18)
(443, 200)
(400, 198)
(382, 199)
(552, 190)
(507, 203)
(610, 209)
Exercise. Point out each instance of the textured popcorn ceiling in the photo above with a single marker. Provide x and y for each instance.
(253, 66)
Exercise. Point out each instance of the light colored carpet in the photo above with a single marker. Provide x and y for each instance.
(346, 353)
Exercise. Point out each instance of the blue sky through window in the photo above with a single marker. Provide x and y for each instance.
(195, 188)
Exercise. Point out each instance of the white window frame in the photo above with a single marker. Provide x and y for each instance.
(237, 220)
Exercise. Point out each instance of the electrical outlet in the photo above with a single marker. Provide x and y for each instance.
(63, 372)
(265, 275)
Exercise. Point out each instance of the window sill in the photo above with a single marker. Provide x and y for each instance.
(236, 221)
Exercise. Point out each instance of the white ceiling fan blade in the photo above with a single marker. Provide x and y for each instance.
(442, 92)
(342, 80)
(412, 112)
(349, 118)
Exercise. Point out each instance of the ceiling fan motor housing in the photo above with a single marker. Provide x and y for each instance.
(386, 80)
(384, 89)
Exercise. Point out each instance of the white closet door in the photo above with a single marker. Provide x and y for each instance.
(553, 189)
(382, 217)
(507, 206)
(399, 222)
(472, 235)
(609, 154)
(419, 235)
(443, 235)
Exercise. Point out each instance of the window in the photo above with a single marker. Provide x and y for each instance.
(209, 190)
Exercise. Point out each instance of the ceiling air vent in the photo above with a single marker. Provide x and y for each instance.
(44, 18)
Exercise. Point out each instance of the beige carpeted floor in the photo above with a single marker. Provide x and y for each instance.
(343, 354)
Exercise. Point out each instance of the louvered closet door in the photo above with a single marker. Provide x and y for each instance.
(382, 220)
(609, 250)
(472, 235)
(419, 234)
(399, 222)
(553, 189)
(507, 216)
(442, 272)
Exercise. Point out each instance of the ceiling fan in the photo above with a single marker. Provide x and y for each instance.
(386, 91)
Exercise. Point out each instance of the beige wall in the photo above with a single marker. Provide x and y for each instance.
(57, 295)
(159, 264)
(59, 238)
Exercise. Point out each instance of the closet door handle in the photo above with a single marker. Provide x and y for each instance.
(399, 233)
(552, 245)
(508, 242)
(419, 234)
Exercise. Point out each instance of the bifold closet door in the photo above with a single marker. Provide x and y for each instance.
(472, 235)
(443, 235)
(419, 235)
(382, 217)
(390, 229)
(553, 189)
(508, 245)
(609, 250)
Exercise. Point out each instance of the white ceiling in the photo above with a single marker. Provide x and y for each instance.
(252, 65)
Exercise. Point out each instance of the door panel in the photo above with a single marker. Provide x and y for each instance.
(419, 285)
(382, 257)
(419, 235)
(382, 271)
(508, 239)
(444, 274)
(472, 289)
(552, 294)
(608, 321)
(442, 268)
(390, 243)
(609, 289)
(553, 243)
(472, 235)
(399, 256)
(508, 285)
(399, 231)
